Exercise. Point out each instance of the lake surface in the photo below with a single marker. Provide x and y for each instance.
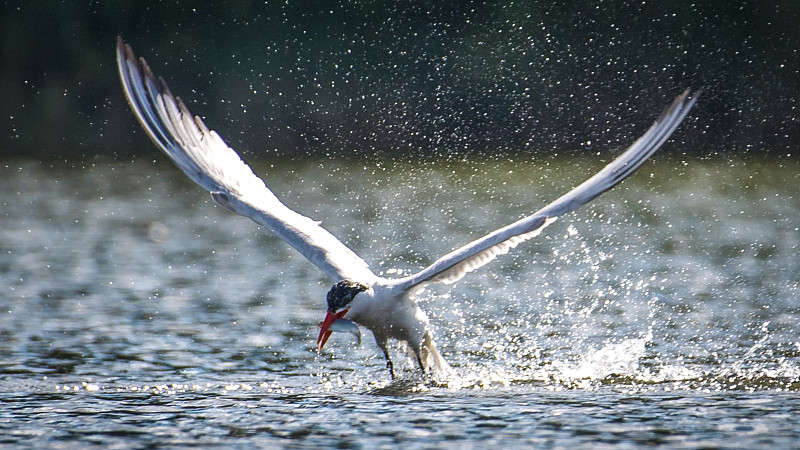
(134, 313)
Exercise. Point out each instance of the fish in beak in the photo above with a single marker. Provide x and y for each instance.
(326, 329)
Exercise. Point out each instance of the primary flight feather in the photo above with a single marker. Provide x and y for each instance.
(384, 306)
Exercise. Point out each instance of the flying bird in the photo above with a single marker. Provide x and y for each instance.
(385, 306)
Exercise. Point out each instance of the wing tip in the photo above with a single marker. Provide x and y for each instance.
(125, 54)
(692, 99)
(682, 104)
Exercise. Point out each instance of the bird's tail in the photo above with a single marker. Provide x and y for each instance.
(432, 361)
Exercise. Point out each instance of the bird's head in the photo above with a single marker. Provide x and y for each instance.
(340, 297)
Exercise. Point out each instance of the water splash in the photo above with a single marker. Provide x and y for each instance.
(615, 358)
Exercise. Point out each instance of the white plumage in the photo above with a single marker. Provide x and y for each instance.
(384, 306)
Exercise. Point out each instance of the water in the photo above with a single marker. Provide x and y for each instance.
(137, 314)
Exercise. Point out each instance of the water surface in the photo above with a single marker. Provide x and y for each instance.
(135, 313)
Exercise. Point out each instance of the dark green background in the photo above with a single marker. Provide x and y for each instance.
(393, 77)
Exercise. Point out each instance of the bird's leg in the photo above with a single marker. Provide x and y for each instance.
(382, 343)
(419, 361)
(421, 351)
(389, 364)
(417, 351)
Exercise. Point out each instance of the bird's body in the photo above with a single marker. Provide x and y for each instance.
(386, 307)
(388, 310)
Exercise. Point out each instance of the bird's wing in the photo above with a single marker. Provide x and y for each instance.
(207, 160)
(454, 265)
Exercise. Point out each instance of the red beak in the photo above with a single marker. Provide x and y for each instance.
(324, 331)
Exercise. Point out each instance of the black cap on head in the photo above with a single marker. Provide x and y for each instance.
(342, 294)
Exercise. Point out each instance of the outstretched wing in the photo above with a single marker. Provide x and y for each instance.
(454, 265)
(206, 159)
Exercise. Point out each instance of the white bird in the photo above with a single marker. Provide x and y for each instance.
(384, 306)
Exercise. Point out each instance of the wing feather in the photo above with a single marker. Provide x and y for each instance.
(454, 265)
(208, 161)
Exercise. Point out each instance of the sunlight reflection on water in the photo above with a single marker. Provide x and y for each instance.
(673, 297)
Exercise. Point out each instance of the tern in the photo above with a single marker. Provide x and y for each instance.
(387, 307)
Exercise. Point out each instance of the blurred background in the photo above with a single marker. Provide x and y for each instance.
(395, 77)
(134, 312)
